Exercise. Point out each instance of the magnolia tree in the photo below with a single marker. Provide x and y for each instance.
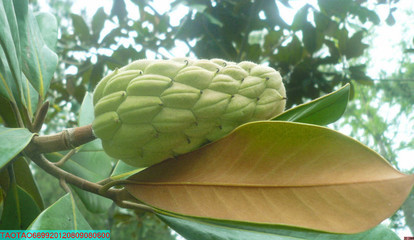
(205, 145)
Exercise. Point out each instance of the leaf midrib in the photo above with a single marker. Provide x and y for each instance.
(210, 184)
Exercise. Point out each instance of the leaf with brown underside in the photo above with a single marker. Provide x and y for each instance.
(279, 173)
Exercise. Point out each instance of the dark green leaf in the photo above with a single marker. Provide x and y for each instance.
(292, 53)
(119, 10)
(10, 46)
(6, 114)
(312, 39)
(333, 51)
(201, 229)
(81, 29)
(98, 22)
(325, 23)
(337, 8)
(38, 61)
(25, 180)
(301, 18)
(19, 209)
(342, 36)
(273, 15)
(8, 87)
(354, 47)
(272, 40)
(12, 142)
(358, 74)
(11, 210)
(62, 215)
(321, 111)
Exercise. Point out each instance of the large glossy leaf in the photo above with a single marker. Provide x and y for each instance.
(48, 28)
(19, 209)
(12, 142)
(30, 94)
(39, 61)
(199, 229)
(8, 87)
(321, 111)
(279, 173)
(25, 180)
(62, 215)
(9, 56)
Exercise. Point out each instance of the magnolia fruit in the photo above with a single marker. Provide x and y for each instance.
(151, 110)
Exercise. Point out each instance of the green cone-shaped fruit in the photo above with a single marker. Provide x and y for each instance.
(151, 110)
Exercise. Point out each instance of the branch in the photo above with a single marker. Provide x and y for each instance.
(66, 140)
(61, 174)
(120, 196)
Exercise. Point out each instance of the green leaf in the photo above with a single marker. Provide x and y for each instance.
(86, 115)
(30, 94)
(199, 229)
(312, 39)
(301, 18)
(390, 19)
(358, 74)
(48, 28)
(290, 54)
(266, 172)
(10, 46)
(8, 87)
(98, 22)
(62, 215)
(325, 23)
(19, 209)
(12, 142)
(39, 62)
(354, 47)
(6, 113)
(81, 29)
(25, 180)
(321, 111)
(92, 166)
(123, 170)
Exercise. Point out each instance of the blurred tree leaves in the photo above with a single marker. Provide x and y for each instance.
(319, 38)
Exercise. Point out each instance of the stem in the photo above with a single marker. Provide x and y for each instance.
(114, 183)
(120, 196)
(65, 140)
(61, 174)
(70, 139)
(65, 158)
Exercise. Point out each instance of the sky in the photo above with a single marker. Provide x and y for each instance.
(385, 51)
